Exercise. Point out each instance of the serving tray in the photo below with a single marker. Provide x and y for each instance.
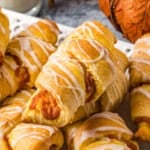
(19, 21)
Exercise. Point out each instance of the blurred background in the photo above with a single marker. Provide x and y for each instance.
(74, 12)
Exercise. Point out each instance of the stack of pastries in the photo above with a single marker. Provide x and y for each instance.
(140, 87)
(85, 75)
(50, 95)
(25, 55)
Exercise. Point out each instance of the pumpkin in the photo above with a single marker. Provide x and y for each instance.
(131, 17)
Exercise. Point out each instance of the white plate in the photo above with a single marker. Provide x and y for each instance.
(19, 21)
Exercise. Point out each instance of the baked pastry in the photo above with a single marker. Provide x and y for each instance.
(4, 34)
(100, 131)
(140, 112)
(46, 30)
(72, 78)
(10, 114)
(12, 76)
(114, 94)
(139, 67)
(95, 31)
(11, 111)
(112, 144)
(61, 93)
(3, 142)
(20, 98)
(33, 137)
(32, 53)
(111, 78)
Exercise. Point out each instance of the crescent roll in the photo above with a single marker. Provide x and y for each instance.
(4, 34)
(140, 62)
(32, 54)
(114, 94)
(62, 93)
(46, 30)
(140, 112)
(79, 72)
(34, 137)
(11, 111)
(12, 76)
(102, 130)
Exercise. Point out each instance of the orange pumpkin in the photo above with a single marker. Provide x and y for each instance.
(131, 17)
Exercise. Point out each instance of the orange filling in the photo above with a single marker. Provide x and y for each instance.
(46, 104)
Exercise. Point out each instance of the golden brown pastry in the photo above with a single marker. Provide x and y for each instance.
(20, 98)
(46, 30)
(140, 62)
(11, 111)
(10, 114)
(34, 137)
(32, 53)
(140, 111)
(112, 144)
(102, 130)
(62, 94)
(95, 31)
(114, 94)
(79, 72)
(26, 56)
(3, 142)
(4, 34)
(12, 76)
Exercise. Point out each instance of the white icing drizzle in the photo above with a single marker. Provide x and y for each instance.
(141, 60)
(51, 26)
(40, 30)
(35, 133)
(46, 47)
(100, 50)
(92, 24)
(26, 46)
(113, 117)
(142, 91)
(75, 86)
(146, 40)
(12, 65)
(111, 146)
(27, 92)
(93, 133)
(145, 75)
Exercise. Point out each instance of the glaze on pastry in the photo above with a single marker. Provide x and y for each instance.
(101, 130)
(4, 34)
(34, 137)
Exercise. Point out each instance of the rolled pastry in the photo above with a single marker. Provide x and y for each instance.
(12, 76)
(4, 34)
(34, 137)
(114, 94)
(140, 112)
(20, 98)
(11, 111)
(100, 131)
(112, 144)
(61, 95)
(140, 62)
(79, 72)
(46, 30)
(95, 31)
(111, 78)
(3, 142)
(32, 53)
